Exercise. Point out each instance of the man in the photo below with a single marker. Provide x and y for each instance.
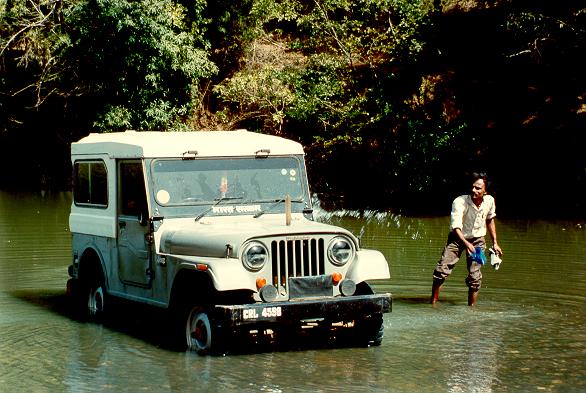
(471, 216)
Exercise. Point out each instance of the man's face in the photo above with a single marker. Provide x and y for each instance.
(478, 189)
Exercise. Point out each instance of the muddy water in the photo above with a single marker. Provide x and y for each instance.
(527, 333)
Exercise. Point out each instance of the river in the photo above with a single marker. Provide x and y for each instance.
(527, 332)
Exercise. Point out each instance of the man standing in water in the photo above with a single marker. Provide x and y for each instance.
(471, 216)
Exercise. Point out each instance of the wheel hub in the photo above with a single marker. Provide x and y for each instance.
(199, 333)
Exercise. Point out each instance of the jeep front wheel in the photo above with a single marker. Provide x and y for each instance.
(201, 334)
(369, 330)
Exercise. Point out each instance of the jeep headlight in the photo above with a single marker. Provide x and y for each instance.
(340, 251)
(254, 256)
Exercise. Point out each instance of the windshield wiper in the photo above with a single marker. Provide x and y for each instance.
(276, 203)
(209, 209)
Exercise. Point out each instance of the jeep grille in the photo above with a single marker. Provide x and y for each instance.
(297, 258)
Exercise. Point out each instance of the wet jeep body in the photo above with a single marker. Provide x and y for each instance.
(218, 228)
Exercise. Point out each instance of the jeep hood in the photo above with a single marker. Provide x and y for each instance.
(213, 237)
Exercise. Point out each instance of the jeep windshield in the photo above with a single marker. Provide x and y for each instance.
(246, 182)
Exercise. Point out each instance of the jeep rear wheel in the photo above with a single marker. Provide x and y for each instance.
(201, 334)
(96, 299)
(89, 297)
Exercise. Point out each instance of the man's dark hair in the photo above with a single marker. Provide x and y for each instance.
(482, 175)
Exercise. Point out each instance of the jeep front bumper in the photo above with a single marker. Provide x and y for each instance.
(333, 309)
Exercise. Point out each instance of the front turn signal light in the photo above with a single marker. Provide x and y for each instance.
(336, 277)
(260, 282)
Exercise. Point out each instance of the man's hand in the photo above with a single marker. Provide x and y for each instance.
(497, 249)
(470, 247)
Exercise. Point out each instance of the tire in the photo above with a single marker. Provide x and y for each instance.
(88, 298)
(202, 335)
(87, 301)
(369, 331)
(96, 301)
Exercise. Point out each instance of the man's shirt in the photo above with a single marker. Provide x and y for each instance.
(470, 218)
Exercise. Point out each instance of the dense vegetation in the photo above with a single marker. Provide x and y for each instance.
(395, 100)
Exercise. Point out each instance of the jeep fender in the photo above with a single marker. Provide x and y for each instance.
(368, 265)
(92, 263)
(226, 273)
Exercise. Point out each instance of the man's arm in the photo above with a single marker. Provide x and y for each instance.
(468, 245)
(457, 222)
(491, 227)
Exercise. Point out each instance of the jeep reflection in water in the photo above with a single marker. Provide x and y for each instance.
(217, 227)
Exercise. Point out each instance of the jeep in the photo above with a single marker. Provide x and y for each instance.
(216, 227)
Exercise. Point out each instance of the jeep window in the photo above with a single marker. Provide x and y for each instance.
(132, 195)
(203, 181)
(90, 183)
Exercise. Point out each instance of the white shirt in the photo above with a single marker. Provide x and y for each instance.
(469, 218)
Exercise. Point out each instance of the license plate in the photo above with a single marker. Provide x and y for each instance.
(261, 313)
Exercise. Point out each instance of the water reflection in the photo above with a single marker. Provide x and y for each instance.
(526, 334)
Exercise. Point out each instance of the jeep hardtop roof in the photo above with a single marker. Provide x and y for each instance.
(154, 144)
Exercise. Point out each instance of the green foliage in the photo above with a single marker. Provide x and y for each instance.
(258, 94)
(371, 32)
(405, 90)
(326, 97)
(343, 95)
(544, 35)
(229, 27)
(264, 11)
(354, 93)
(32, 38)
(114, 118)
(139, 62)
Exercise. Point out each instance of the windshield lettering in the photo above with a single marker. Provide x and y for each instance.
(223, 209)
(248, 209)
(236, 209)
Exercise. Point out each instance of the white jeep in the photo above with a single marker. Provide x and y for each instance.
(218, 228)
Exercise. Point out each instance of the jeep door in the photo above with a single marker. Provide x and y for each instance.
(134, 256)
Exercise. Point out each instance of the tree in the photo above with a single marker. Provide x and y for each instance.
(32, 36)
(136, 62)
(139, 62)
(356, 86)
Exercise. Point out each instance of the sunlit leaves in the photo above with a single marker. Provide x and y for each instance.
(366, 31)
(139, 61)
(258, 94)
(139, 45)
